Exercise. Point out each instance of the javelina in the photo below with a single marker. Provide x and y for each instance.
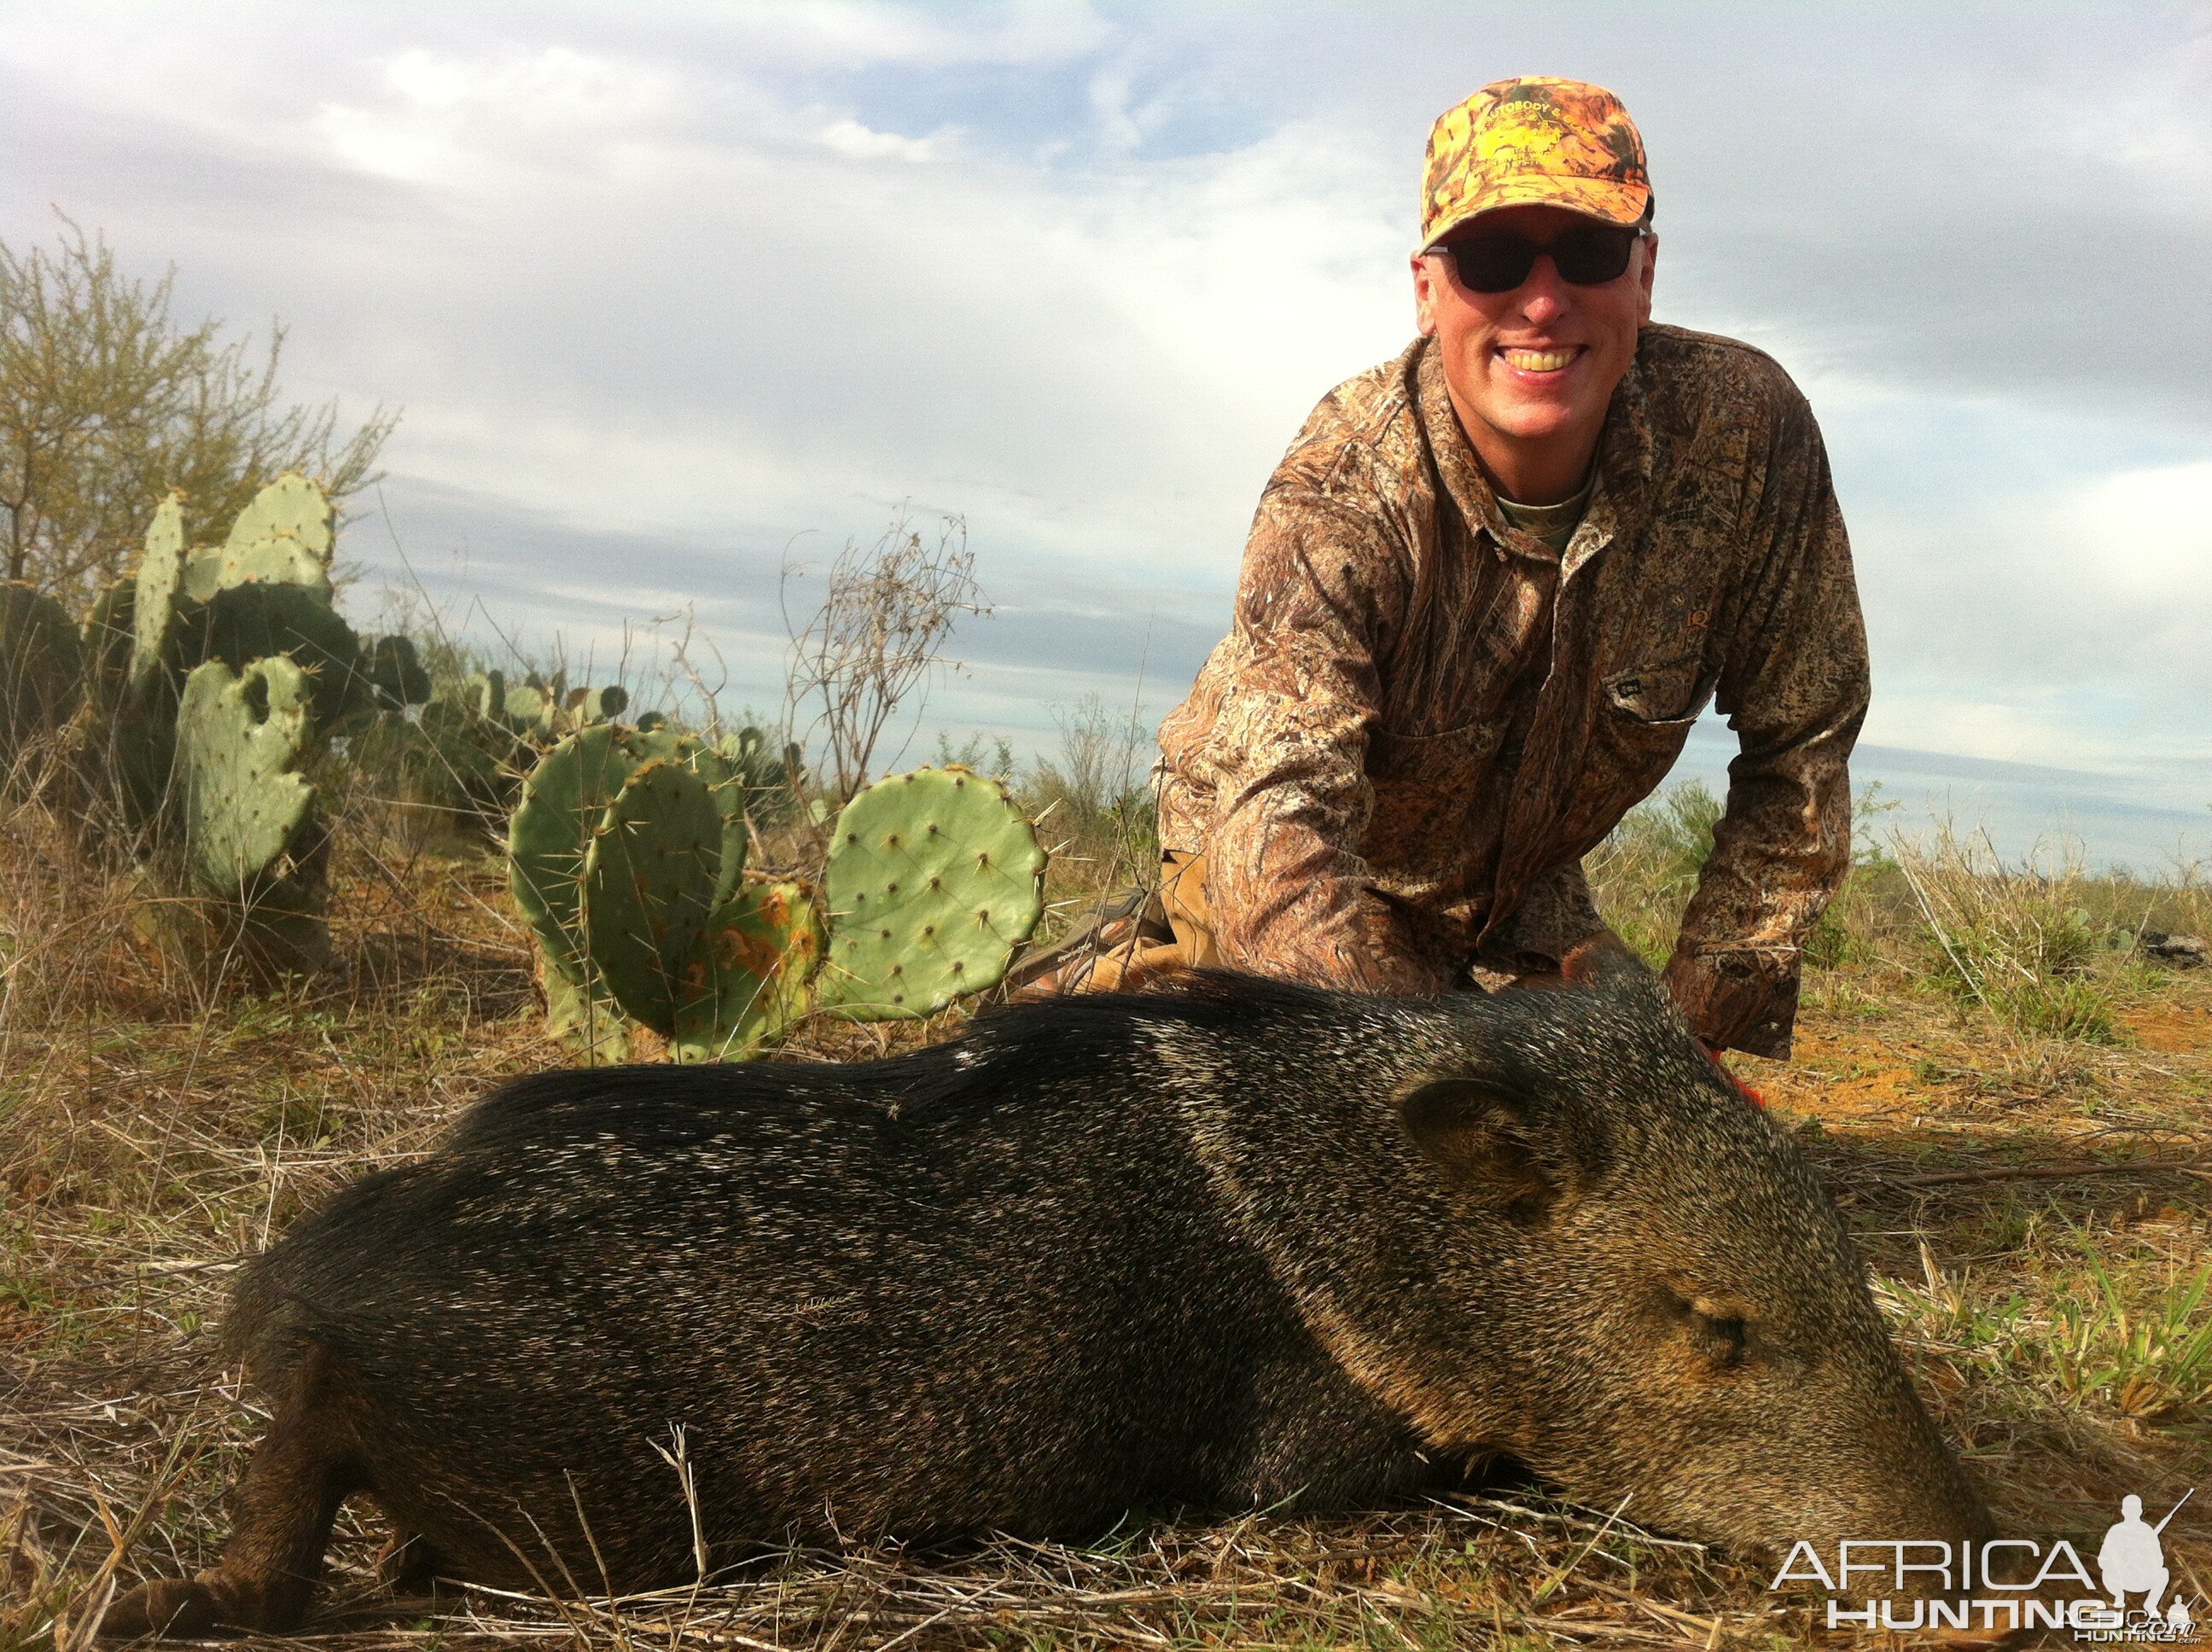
(1236, 1243)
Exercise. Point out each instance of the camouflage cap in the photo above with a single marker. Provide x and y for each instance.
(1534, 142)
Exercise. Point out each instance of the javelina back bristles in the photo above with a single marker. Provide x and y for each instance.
(1232, 1245)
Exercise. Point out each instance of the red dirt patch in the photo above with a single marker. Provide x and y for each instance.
(2169, 1029)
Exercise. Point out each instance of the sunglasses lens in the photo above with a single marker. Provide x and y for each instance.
(1586, 256)
(1493, 264)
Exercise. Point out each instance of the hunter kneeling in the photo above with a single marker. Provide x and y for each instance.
(1487, 592)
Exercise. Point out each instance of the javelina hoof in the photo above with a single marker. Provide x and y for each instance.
(409, 1565)
(179, 1606)
(185, 1608)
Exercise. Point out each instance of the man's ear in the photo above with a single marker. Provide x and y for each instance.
(1424, 296)
(1486, 1141)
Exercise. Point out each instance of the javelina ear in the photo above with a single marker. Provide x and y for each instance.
(1486, 1141)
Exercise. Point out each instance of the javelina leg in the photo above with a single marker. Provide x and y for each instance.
(300, 1471)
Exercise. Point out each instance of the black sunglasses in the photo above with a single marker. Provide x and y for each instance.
(1498, 261)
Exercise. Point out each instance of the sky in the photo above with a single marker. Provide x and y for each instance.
(673, 296)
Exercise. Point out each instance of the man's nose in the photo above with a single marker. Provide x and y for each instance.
(1543, 296)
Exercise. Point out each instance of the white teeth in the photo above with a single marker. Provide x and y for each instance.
(1539, 361)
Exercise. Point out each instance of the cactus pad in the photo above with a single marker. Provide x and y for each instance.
(41, 666)
(284, 537)
(588, 1022)
(748, 981)
(649, 881)
(395, 673)
(238, 741)
(245, 622)
(161, 584)
(589, 706)
(564, 803)
(109, 636)
(526, 709)
(486, 693)
(934, 878)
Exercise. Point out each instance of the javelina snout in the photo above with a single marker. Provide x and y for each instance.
(1233, 1245)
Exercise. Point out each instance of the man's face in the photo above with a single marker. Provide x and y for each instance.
(1534, 368)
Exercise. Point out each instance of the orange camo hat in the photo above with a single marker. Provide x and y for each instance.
(1536, 141)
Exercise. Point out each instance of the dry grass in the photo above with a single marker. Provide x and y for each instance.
(2037, 1211)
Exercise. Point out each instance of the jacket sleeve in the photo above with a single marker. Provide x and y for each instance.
(1794, 683)
(1319, 595)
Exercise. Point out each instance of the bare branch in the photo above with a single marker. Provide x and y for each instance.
(869, 649)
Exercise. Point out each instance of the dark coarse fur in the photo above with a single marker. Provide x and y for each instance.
(1239, 1243)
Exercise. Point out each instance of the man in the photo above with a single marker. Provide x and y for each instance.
(1488, 590)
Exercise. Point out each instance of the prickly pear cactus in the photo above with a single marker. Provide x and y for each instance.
(749, 979)
(934, 878)
(284, 537)
(154, 607)
(486, 693)
(649, 881)
(42, 667)
(589, 706)
(564, 803)
(239, 738)
(242, 623)
(589, 1021)
(529, 708)
(109, 637)
(395, 674)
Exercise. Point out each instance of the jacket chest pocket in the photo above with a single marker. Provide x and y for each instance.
(1425, 789)
(1657, 696)
(1644, 715)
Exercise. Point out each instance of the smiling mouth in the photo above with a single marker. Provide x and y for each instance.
(1543, 360)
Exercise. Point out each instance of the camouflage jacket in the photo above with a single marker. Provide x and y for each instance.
(1422, 718)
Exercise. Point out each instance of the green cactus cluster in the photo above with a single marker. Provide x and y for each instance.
(190, 702)
(541, 709)
(627, 857)
(481, 739)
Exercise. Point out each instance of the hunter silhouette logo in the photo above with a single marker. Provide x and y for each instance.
(2132, 1560)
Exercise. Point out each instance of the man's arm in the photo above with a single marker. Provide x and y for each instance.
(1288, 887)
(1795, 686)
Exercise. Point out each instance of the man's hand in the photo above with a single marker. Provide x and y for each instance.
(1713, 1054)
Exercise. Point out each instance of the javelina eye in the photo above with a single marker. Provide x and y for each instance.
(1722, 1341)
(1716, 1330)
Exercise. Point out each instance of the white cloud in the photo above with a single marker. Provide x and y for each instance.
(848, 136)
(439, 115)
(2144, 538)
(851, 35)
